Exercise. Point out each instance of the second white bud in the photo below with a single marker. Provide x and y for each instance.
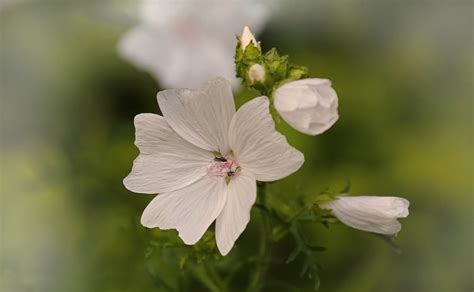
(256, 73)
(308, 105)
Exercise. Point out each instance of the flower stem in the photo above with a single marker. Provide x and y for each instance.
(210, 278)
(216, 277)
(265, 245)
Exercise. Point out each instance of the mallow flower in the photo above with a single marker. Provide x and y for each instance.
(184, 43)
(308, 105)
(370, 213)
(204, 158)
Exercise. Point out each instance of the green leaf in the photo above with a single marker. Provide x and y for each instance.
(278, 232)
(183, 261)
(293, 255)
(316, 248)
(317, 281)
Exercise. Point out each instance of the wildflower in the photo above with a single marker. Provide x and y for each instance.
(184, 43)
(308, 105)
(203, 158)
(370, 213)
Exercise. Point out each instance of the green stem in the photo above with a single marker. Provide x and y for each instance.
(216, 277)
(298, 214)
(209, 277)
(265, 245)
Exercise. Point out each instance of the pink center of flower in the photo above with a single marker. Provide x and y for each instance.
(223, 167)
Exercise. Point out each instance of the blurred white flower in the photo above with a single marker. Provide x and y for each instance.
(370, 213)
(204, 159)
(308, 105)
(185, 43)
(256, 73)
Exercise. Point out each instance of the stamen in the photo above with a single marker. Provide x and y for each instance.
(225, 167)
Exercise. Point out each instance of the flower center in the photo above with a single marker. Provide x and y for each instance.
(225, 167)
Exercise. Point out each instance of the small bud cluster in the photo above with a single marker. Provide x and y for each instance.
(309, 105)
(263, 71)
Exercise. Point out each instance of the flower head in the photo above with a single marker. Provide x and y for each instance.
(370, 213)
(184, 43)
(308, 105)
(204, 158)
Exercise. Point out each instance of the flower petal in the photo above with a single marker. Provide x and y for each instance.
(166, 162)
(370, 213)
(201, 116)
(190, 210)
(259, 148)
(231, 222)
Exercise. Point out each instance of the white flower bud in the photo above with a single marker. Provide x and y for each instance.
(256, 73)
(370, 213)
(308, 105)
(247, 38)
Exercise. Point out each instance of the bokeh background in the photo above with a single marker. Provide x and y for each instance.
(403, 71)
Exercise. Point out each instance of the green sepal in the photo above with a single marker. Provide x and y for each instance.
(252, 53)
(297, 72)
(277, 65)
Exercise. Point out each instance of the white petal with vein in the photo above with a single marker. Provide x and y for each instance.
(241, 195)
(189, 210)
(259, 148)
(166, 162)
(201, 116)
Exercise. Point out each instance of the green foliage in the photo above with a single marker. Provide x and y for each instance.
(278, 69)
(405, 129)
(290, 226)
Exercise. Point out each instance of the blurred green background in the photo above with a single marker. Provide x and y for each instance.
(404, 75)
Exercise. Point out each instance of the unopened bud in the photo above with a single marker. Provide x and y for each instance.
(256, 73)
(247, 38)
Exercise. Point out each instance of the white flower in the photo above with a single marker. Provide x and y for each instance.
(178, 159)
(370, 213)
(256, 73)
(308, 105)
(185, 43)
(247, 38)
